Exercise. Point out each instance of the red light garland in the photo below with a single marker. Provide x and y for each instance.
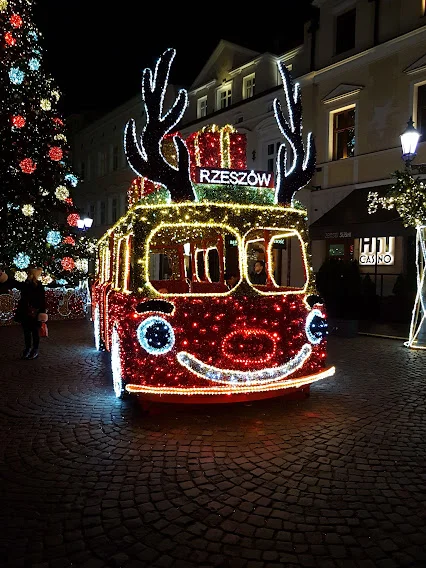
(16, 20)
(69, 241)
(56, 153)
(68, 263)
(72, 219)
(27, 166)
(18, 121)
(9, 39)
(277, 337)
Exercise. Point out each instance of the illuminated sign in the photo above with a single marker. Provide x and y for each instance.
(377, 250)
(222, 176)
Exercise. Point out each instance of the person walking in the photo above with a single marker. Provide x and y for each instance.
(31, 309)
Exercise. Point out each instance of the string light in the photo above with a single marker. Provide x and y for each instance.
(177, 337)
(53, 238)
(408, 197)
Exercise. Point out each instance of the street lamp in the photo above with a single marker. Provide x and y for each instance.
(85, 223)
(409, 140)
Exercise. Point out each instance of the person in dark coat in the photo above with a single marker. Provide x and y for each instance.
(258, 276)
(31, 309)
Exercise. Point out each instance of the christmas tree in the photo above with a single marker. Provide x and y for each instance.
(38, 219)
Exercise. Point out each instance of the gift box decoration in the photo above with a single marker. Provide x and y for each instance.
(217, 147)
(141, 187)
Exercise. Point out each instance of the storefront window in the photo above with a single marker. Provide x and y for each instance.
(336, 250)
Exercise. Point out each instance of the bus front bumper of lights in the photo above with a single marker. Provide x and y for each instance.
(227, 381)
(233, 377)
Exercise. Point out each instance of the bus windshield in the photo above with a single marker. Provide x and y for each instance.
(281, 254)
(193, 259)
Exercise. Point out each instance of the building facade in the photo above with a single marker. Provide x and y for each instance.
(362, 72)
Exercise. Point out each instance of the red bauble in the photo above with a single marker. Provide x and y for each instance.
(72, 219)
(9, 39)
(27, 166)
(69, 201)
(16, 20)
(68, 263)
(69, 241)
(18, 121)
(55, 153)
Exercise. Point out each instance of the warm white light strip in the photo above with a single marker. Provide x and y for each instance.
(226, 390)
(418, 316)
(248, 378)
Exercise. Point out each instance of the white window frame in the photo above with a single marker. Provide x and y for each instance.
(275, 142)
(202, 107)
(331, 129)
(249, 85)
(226, 90)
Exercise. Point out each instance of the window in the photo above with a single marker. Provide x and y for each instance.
(421, 111)
(115, 158)
(272, 151)
(336, 249)
(123, 263)
(196, 259)
(344, 133)
(101, 163)
(224, 97)
(202, 107)
(103, 213)
(285, 266)
(114, 210)
(89, 168)
(92, 212)
(345, 31)
(248, 86)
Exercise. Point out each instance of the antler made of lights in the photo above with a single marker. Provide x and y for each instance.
(302, 167)
(146, 159)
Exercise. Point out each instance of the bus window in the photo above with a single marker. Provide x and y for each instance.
(198, 258)
(255, 251)
(121, 267)
(160, 266)
(213, 265)
(201, 272)
(288, 261)
(281, 250)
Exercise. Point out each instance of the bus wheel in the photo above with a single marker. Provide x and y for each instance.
(97, 330)
(116, 367)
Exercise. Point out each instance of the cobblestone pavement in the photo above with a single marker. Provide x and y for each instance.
(335, 480)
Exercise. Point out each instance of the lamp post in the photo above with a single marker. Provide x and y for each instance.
(409, 140)
(417, 335)
(84, 224)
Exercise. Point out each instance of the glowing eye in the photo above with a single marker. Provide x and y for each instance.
(156, 335)
(316, 327)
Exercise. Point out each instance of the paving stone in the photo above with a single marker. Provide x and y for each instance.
(334, 480)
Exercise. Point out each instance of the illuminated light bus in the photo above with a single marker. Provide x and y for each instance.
(177, 328)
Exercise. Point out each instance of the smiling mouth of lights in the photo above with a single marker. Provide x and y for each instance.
(232, 377)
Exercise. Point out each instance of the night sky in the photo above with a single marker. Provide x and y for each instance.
(96, 50)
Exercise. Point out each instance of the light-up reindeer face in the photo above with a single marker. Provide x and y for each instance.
(233, 342)
(197, 330)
